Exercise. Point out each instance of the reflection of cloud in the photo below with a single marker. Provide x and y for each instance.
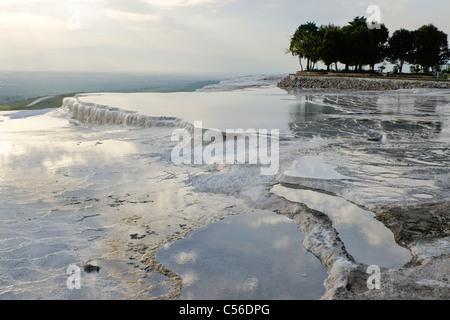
(350, 214)
(185, 257)
(281, 243)
(350, 220)
(5, 148)
(248, 285)
(189, 278)
(342, 211)
(372, 232)
(313, 167)
(272, 220)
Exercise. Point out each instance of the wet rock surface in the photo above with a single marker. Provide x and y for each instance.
(425, 277)
(417, 222)
(392, 151)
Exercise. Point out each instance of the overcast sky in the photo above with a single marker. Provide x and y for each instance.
(180, 36)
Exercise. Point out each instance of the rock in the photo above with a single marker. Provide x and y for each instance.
(136, 236)
(90, 268)
(347, 83)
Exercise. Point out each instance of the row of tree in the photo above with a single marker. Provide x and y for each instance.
(359, 43)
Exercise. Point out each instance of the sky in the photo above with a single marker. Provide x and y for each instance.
(181, 36)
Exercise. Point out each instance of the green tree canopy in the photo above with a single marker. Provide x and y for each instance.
(305, 43)
(430, 47)
(377, 45)
(356, 39)
(358, 44)
(400, 48)
(364, 46)
(331, 48)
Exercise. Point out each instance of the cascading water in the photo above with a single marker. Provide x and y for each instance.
(101, 114)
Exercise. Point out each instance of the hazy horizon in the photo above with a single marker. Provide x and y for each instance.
(20, 85)
(180, 36)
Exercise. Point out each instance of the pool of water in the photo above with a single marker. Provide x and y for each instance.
(365, 238)
(378, 116)
(312, 167)
(74, 193)
(243, 109)
(257, 255)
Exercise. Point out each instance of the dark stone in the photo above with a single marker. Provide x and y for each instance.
(91, 268)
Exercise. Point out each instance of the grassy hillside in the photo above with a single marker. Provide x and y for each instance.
(54, 102)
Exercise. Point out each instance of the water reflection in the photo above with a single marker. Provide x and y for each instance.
(373, 117)
(312, 167)
(52, 144)
(252, 256)
(52, 176)
(395, 116)
(365, 238)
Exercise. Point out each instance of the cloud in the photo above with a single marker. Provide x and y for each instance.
(393, 6)
(182, 3)
(227, 35)
(24, 21)
(132, 16)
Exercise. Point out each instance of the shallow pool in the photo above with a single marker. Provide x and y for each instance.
(257, 255)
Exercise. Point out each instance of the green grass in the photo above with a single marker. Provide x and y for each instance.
(54, 102)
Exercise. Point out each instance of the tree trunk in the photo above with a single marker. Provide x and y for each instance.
(401, 66)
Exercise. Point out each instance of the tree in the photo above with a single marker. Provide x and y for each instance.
(331, 47)
(378, 47)
(357, 43)
(305, 43)
(430, 47)
(295, 46)
(364, 45)
(400, 48)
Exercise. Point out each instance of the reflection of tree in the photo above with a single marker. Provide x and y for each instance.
(430, 107)
(298, 118)
(427, 106)
(365, 117)
(401, 128)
